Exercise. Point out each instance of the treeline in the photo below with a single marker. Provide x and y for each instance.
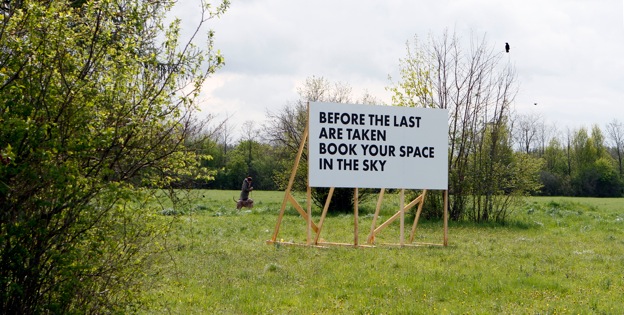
(571, 162)
(577, 162)
(229, 164)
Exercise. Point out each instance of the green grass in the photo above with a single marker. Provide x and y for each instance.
(555, 256)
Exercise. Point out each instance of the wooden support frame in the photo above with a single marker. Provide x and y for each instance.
(311, 226)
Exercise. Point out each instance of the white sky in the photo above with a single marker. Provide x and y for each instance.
(568, 54)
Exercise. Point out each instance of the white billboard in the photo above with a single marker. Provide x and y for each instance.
(368, 146)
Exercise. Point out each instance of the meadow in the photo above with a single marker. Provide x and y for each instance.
(554, 256)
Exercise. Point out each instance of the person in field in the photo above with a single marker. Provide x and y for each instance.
(244, 200)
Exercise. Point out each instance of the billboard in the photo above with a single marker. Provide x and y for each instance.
(369, 146)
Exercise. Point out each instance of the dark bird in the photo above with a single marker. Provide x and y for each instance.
(506, 47)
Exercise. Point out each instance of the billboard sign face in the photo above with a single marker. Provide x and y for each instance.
(368, 146)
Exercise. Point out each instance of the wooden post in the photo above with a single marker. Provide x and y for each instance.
(446, 217)
(402, 224)
(309, 229)
(393, 217)
(290, 183)
(325, 208)
(355, 217)
(371, 236)
(420, 207)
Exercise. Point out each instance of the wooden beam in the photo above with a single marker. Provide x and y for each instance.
(371, 235)
(342, 244)
(309, 216)
(299, 209)
(325, 208)
(396, 215)
(390, 220)
(355, 217)
(293, 172)
(414, 202)
(402, 223)
(446, 217)
(420, 207)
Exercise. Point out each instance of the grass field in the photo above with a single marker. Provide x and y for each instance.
(555, 256)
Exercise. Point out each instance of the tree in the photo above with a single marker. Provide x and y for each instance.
(527, 130)
(554, 175)
(585, 151)
(285, 130)
(264, 165)
(96, 102)
(615, 130)
(478, 92)
(203, 143)
(249, 139)
(594, 172)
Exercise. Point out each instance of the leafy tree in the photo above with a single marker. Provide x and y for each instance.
(595, 173)
(250, 158)
(96, 100)
(583, 167)
(554, 175)
(203, 143)
(236, 168)
(499, 176)
(264, 164)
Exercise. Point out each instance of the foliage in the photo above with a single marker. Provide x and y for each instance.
(96, 99)
(600, 180)
(341, 201)
(500, 177)
(260, 166)
(583, 167)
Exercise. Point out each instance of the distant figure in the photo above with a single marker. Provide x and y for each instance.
(506, 47)
(244, 200)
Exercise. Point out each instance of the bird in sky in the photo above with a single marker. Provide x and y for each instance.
(507, 47)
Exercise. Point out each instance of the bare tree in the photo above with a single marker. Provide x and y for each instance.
(250, 132)
(545, 133)
(285, 129)
(527, 130)
(368, 98)
(249, 136)
(569, 136)
(225, 136)
(319, 89)
(207, 128)
(615, 130)
(478, 89)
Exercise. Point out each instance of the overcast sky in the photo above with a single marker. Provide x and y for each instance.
(568, 54)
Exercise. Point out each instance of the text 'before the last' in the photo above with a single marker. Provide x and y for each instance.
(338, 128)
(359, 119)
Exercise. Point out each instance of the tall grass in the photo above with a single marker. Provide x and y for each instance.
(555, 255)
